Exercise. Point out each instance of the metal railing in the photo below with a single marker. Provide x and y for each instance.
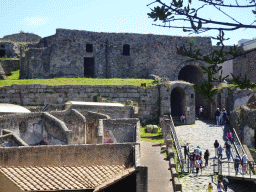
(237, 145)
(244, 170)
(177, 145)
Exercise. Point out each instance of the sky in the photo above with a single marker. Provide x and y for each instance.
(44, 16)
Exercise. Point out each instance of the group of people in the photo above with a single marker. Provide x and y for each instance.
(221, 116)
(195, 158)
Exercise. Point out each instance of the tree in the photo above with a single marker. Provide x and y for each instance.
(194, 22)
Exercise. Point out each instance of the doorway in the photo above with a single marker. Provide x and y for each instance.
(89, 67)
(178, 102)
(2, 53)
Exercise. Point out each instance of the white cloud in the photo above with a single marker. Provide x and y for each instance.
(35, 21)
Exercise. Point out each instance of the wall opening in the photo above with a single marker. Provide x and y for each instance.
(126, 49)
(193, 74)
(2, 53)
(89, 48)
(2, 46)
(89, 67)
(178, 102)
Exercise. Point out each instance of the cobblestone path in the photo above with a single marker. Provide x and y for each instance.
(204, 134)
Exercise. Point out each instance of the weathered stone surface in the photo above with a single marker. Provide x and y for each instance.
(149, 128)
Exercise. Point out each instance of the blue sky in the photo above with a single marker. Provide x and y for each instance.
(44, 16)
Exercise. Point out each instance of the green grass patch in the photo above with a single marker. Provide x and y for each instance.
(13, 79)
(155, 137)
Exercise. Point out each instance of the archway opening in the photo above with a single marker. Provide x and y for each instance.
(177, 102)
(193, 74)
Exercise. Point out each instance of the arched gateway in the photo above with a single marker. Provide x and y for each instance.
(193, 74)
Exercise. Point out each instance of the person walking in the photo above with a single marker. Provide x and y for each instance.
(210, 187)
(229, 134)
(198, 152)
(220, 149)
(206, 157)
(236, 164)
(197, 164)
(183, 118)
(201, 112)
(228, 146)
(225, 183)
(192, 158)
(244, 163)
(216, 145)
(186, 150)
(225, 116)
(220, 186)
(217, 116)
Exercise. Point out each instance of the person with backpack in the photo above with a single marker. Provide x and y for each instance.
(236, 163)
(206, 156)
(225, 183)
(228, 146)
(216, 145)
(197, 165)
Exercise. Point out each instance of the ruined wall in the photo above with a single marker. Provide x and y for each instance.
(75, 122)
(149, 54)
(34, 127)
(123, 130)
(71, 155)
(40, 94)
(22, 37)
(10, 49)
(10, 65)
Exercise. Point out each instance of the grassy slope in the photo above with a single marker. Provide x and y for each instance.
(157, 137)
(14, 79)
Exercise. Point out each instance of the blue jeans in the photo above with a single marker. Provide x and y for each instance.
(218, 120)
(228, 153)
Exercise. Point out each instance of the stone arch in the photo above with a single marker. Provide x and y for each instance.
(191, 74)
(178, 102)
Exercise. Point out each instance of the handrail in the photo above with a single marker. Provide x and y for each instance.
(238, 143)
(177, 145)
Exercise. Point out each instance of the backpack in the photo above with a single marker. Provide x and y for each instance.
(197, 164)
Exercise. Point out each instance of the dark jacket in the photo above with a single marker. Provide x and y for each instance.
(217, 113)
(216, 145)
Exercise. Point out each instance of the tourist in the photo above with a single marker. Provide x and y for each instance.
(217, 116)
(221, 117)
(206, 156)
(228, 146)
(220, 149)
(198, 152)
(229, 134)
(192, 158)
(220, 186)
(236, 164)
(201, 163)
(244, 163)
(183, 118)
(225, 183)
(210, 187)
(201, 112)
(216, 145)
(186, 150)
(225, 116)
(197, 164)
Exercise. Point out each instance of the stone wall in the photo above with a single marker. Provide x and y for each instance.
(75, 122)
(70, 155)
(123, 130)
(245, 65)
(10, 65)
(34, 127)
(147, 99)
(22, 37)
(64, 54)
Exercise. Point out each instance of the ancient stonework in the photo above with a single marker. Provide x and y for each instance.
(74, 53)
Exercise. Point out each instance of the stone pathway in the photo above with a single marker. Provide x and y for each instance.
(159, 174)
(204, 134)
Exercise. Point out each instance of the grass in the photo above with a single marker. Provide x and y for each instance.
(156, 137)
(14, 79)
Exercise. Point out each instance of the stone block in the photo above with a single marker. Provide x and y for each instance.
(149, 128)
(10, 91)
(154, 129)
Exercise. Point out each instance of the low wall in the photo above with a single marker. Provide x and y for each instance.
(124, 130)
(70, 155)
(75, 122)
(59, 94)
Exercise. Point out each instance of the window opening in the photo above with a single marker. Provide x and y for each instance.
(89, 48)
(126, 49)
